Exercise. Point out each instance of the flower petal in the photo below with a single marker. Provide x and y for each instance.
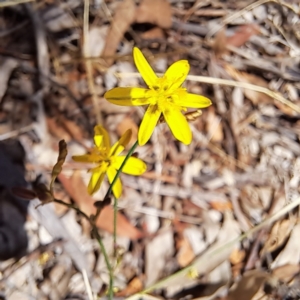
(117, 188)
(178, 125)
(101, 137)
(176, 74)
(144, 68)
(86, 158)
(133, 166)
(191, 100)
(126, 96)
(95, 181)
(148, 124)
(120, 145)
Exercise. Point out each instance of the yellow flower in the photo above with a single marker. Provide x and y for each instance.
(108, 160)
(164, 96)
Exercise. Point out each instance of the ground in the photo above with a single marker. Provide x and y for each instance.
(216, 219)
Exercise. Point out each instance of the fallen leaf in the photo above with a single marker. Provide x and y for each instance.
(219, 44)
(124, 16)
(278, 235)
(214, 126)
(124, 125)
(242, 35)
(291, 252)
(134, 286)
(254, 96)
(55, 127)
(287, 272)
(185, 253)
(162, 177)
(237, 256)
(221, 205)
(73, 129)
(248, 286)
(156, 12)
(153, 34)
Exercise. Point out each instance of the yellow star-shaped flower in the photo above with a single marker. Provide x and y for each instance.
(108, 161)
(165, 96)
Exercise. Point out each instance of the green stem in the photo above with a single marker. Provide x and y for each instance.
(115, 224)
(109, 267)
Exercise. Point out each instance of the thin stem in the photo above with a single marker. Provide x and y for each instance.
(115, 224)
(109, 267)
(70, 205)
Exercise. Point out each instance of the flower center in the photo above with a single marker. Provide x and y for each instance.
(164, 96)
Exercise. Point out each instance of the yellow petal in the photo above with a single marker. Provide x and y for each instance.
(148, 124)
(117, 188)
(126, 96)
(191, 100)
(120, 145)
(95, 181)
(178, 125)
(144, 68)
(176, 74)
(101, 137)
(133, 166)
(86, 158)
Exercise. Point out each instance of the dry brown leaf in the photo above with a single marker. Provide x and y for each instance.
(134, 286)
(279, 233)
(243, 33)
(237, 256)
(221, 205)
(154, 33)
(124, 125)
(219, 44)
(185, 253)
(248, 286)
(254, 96)
(287, 272)
(73, 129)
(156, 12)
(214, 126)
(56, 129)
(162, 177)
(124, 16)
(78, 191)
(291, 252)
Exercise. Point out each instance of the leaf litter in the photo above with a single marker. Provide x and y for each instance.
(241, 167)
